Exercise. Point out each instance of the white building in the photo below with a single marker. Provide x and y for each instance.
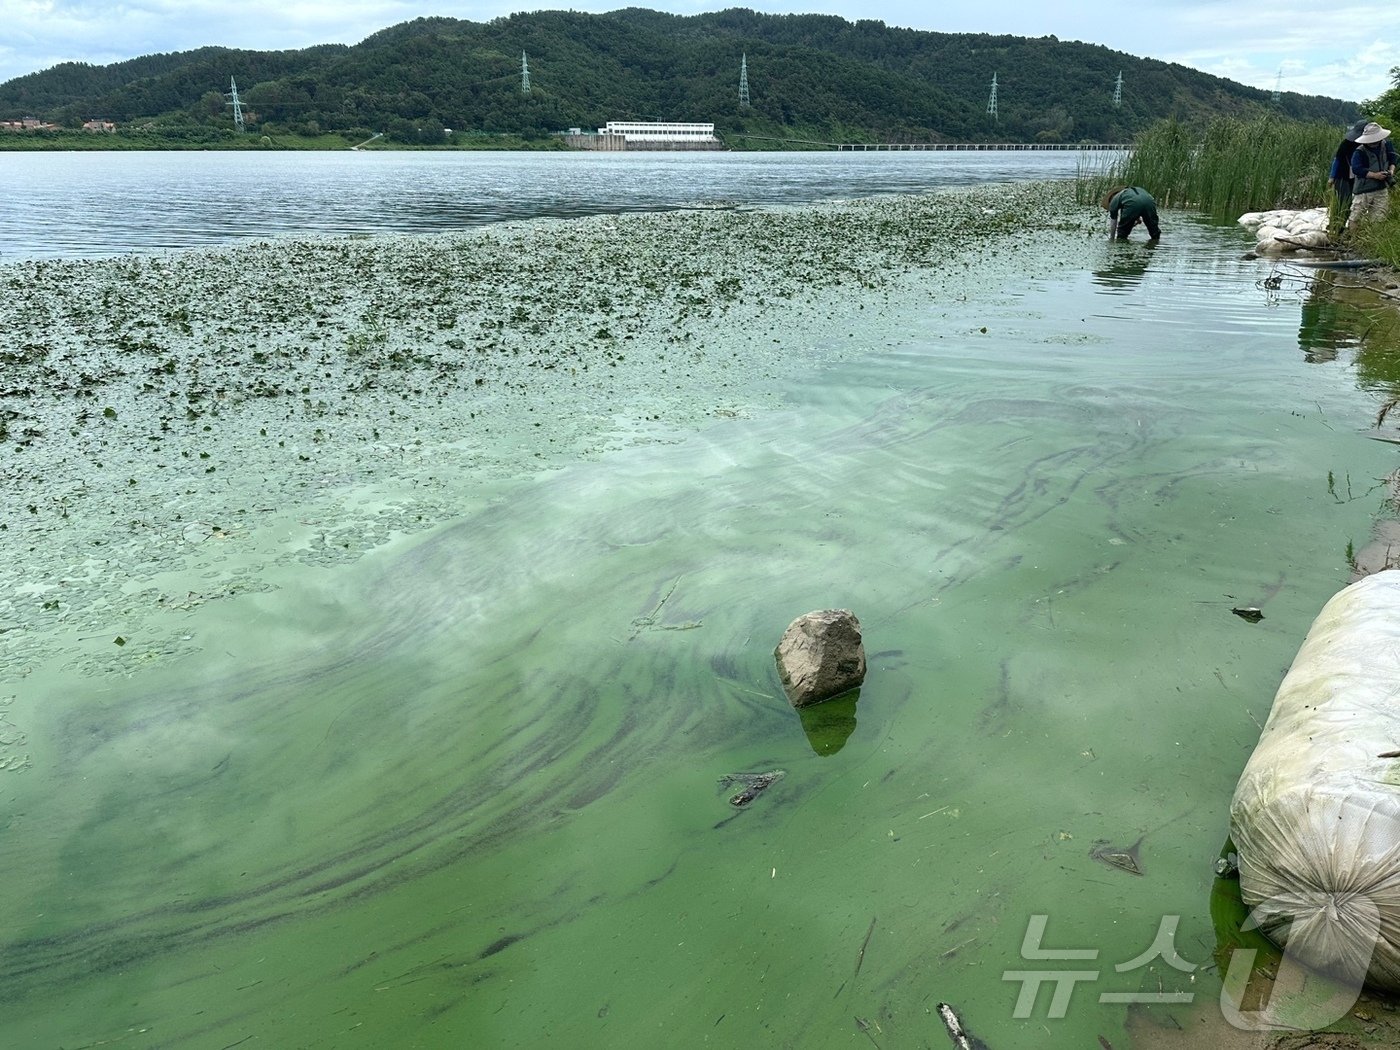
(660, 131)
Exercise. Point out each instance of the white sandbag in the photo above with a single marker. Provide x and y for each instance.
(1310, 238)
(1269, 233)
(1316, 815)
(1291, 242)
(1285, 219)
(1270, 246)
(1254, 219)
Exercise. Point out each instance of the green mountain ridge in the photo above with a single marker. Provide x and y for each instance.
(814, 76)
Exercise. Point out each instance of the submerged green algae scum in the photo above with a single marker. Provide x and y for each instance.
(377, 628)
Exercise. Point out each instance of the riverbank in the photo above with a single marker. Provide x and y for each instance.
(211, 139)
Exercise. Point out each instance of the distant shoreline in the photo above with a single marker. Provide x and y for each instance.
(91, 142)
(81, 141)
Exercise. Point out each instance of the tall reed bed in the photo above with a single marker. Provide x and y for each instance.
(1234, 166)
(1380, 240)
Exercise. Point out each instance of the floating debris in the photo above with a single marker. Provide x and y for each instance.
(1249, 613)
(863, 1025)
(1124, 859)
(754, 784)
(957, 1031)
(860, 955)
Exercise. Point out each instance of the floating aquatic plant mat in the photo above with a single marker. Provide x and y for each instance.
(317, 398)
(354, 705)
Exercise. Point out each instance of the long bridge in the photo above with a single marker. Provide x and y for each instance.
(989, 147)
(968, 147)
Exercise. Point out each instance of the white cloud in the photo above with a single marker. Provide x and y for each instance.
(1340, 50)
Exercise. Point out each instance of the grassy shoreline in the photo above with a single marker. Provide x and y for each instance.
(1231, 167)
(1238, 166)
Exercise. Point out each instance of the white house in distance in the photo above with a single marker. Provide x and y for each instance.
(646, 135)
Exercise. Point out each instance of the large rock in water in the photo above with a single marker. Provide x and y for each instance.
(820, 656)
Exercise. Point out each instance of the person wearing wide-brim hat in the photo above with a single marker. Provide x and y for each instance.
(1340, 176)
(1373, 172)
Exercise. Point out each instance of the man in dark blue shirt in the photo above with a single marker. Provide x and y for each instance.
(1373, 172)
(1339, 178)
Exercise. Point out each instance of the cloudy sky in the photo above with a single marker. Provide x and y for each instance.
(1342, 48)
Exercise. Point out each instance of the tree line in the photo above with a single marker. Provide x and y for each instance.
(814, 77)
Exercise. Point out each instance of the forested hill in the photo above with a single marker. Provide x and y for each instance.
(814, 76)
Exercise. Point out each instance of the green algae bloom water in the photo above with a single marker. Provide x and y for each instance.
(468, 789)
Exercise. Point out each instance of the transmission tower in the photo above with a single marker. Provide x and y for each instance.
(1118, 90)
(524, 74)
(744, 82)
(237, 106)
(992, 102)
(1278, 84)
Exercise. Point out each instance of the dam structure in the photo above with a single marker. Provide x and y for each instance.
(645, 135)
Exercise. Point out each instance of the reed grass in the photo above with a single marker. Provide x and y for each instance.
(1379, 239)
(1231, 167)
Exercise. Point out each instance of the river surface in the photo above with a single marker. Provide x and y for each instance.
(91, 204)
(467, 791)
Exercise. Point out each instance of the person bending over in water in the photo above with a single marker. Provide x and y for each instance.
(1127, 205)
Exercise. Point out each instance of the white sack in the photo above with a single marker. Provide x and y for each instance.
(1310, 238)
(1284, 219)
(1316, 815)
(1310, 216)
